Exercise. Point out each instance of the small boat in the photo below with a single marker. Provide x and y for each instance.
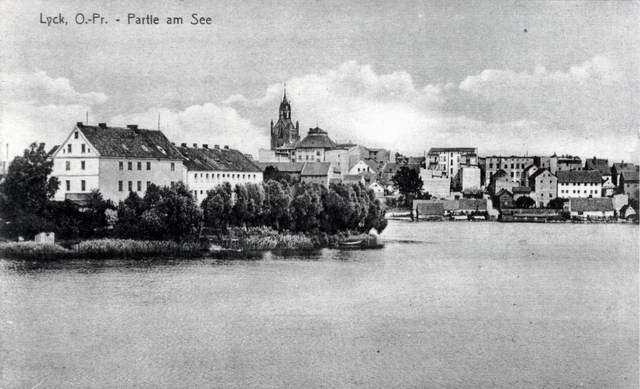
(356, 244)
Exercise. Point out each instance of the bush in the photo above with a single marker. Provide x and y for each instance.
(33, 251)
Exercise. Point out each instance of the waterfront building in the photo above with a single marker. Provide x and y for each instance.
(579, 183)
(436, 183)
(469, 178)
(208, 167)
(504, 199)
(601, 207)
(448, 160)
(500, 180)
(115, 161)
(544, 185)
(513, 165)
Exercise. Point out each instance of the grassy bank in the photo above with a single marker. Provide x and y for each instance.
(250, 241)
(100, 249)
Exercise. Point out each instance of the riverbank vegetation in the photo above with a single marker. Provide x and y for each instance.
(274, 214)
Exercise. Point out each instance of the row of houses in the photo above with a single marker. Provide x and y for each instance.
(120, 160)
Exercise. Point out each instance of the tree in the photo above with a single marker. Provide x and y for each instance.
(272, 173)
(241, 206)
(408, 182)
(218, 207)
(26, 193)
(525, 202)
(276, 203)
(256, 200)
(556, 203)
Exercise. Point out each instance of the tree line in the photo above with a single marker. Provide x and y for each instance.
(171, 213)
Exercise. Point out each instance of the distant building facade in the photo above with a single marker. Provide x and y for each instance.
(544, 185)
(513, 165)
(448, 160)
(579, 183)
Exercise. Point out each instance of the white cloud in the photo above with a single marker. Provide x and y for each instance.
(39, 108)
(41, 89)
(206, 123)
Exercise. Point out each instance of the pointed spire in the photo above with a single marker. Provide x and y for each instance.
(284, 97)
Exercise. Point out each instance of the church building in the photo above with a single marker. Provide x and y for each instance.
(284, 132)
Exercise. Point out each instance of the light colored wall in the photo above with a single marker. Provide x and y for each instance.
(199, 183)
(360, 167)
(579, 190)
(545, 188)
(75, 175)
(160, 174)
(470, 177)
(310, 155)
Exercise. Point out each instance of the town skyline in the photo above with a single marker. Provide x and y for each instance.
(442, 78)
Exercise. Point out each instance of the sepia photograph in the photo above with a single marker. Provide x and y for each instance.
(320, 194)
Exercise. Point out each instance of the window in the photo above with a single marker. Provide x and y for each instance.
(130, 186)
(318, 153)
(83, 185)
(173, 166)
(139, 164)
(69, 148)
(75, 135)
(148, 165)
(83, 148)
(120, 165)
(67, 165)
(82, 165)
(148, 184)
(139, 186)
(173, 183)
(129, 165)
(68, 185)
(119, 186)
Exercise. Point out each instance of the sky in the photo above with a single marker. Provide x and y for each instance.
(507, 77)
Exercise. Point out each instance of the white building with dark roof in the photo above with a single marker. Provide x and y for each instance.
(208, 167)
(579, 183)
(115, 161)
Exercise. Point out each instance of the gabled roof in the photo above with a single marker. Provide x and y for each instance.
(629, 175)
(317, 138)
(540, 172)
(579, 176)
(205, 159)
(284, 167)
(591, 204)
(500, 173)
(129, 142)
(601, 165)
(316, 169)
(622, 166)
(504, 191)
(521, 189)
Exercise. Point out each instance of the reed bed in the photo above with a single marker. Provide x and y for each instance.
(100, 249)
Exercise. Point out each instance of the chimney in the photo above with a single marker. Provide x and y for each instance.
(132, 126)
(226, 147)
(195, 145)
(216, 146)
(183, 144)
(79, 124)
(205, 146)
(102, 125)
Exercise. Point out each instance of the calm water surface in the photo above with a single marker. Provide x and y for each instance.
(443, 305)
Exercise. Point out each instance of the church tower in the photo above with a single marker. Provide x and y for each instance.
(284, 132)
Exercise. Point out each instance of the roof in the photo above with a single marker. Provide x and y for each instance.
(501, 173)
(430, 208)
(591, 204)
(520, 189)
(316, 169)
(393, 167)
(284, 167)
(504, 191)
(473, 204)
(624, 165)
(629, 175)
(579, 176)
(601, 165)
(317, 138)
(216, 159)
(352, 177)
(434, 150)
(540, 172)
(130, 142)
(53, 150)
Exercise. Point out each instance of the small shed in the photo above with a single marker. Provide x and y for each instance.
(45, 237)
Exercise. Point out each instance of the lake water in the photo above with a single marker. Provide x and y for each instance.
(443, 305)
